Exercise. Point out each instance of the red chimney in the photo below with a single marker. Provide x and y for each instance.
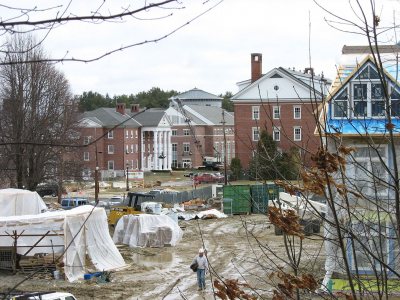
(256, 66)
(135, 108)
(120, 108)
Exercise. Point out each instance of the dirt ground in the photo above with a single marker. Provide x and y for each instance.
(164, 273)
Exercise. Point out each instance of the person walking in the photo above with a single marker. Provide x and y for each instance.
(202, 268)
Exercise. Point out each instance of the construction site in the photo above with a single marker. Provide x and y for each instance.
(75, 250)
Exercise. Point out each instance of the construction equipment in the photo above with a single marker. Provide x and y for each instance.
(208, 162)
(211, 163)
(130, 206)
(188, 121)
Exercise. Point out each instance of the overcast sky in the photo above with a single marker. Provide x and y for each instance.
(211, 53)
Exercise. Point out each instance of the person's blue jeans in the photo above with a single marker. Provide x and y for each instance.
(201, 280)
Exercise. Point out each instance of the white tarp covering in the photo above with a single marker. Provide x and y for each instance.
(16, 202)
(94, 238)
(147, 231)
(211, 213)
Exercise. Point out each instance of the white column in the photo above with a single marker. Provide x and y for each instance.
(170, 150)
(155, 151)
(142, 152)
(167, 158)
(165, 150)
(159, 150)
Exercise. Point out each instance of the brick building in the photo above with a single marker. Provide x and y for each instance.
(203, 138)
(283, 102)
(134, 139)
(156, 139)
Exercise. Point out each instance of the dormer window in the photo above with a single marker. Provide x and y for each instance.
(364, 97)
(377, 103)
(340, 104)
(360, 107)
(395, 102)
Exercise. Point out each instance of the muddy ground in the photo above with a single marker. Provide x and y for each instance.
(164, 273)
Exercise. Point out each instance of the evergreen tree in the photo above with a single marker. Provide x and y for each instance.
(236, 168)
(227, 104)
(270, 164)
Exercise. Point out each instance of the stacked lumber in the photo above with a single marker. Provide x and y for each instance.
(38, 263)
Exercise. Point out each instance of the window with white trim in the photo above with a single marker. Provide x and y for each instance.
(256, 134)
(276, 112)
(86, 140)
(340, 104)
(363, 97)
(186, 132)
(110, 149)
(86, 156)
(132, 134)
(374, 236)
(368, 100)
(186, 148)
(228, 151)
(395, 102)
(174, 163)
(276, 134)
(111, 134)
(174, 147)
(217, 152)
(174, 132)
(370, 174)
(186, 163)
(110, 165)
(126, 149)
(126, 133)
(132, 148)
(297, 112)
(297, 133)
(255, 112)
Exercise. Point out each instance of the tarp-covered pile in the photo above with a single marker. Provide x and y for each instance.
(205, 214)
(16, 202)
(147, 231)
(93, 240)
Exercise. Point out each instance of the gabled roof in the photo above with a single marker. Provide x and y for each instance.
(353, 56)
(294, 82)
(208, 115)
(351, 126)
(150, 117)
(109, 117)
(197, 94)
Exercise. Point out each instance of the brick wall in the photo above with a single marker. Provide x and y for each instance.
(244, 124)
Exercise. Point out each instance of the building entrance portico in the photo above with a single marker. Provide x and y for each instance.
(156, 149)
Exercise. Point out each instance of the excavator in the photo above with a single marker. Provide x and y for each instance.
(130, 206)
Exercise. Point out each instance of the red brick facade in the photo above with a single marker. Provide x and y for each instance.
(209, 137)
(115, 151)
(286, 123)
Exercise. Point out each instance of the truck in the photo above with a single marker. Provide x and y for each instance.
(211, 163)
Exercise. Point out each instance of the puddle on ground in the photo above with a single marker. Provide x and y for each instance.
(159, 259)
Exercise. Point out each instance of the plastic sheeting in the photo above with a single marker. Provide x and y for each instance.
(94, 238)
(16, 202)
(147, 231)
(210, 214)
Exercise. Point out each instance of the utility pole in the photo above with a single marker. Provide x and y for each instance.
(225, 167)
(127, 177)
(96, 178)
